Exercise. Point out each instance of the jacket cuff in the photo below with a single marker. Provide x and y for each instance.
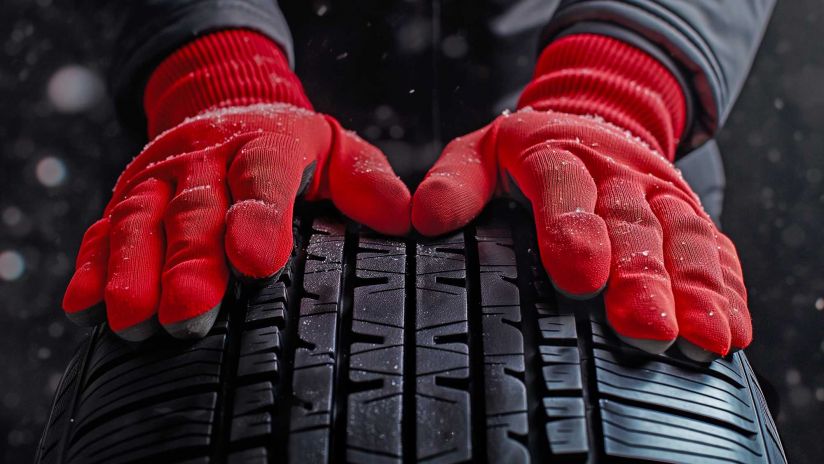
(223, 69)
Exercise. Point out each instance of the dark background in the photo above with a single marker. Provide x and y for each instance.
(61, 149)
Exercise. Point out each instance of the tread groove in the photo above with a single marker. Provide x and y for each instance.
(283, 399)
(589, 378)
(408, 421)
(478, 418)
(536, 438)
(340, 389)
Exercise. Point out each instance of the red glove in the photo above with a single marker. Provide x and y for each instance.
(592, 149)
(219, 184)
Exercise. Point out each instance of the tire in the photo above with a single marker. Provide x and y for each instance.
(375, 349)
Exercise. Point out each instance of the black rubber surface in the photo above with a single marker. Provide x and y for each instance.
(374, 349)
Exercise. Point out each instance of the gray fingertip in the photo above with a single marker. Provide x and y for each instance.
(261, 281)
(92, 315)
(196, 327)
(695, 352)
(644, 344)
(734, 350)
(140, 331)
(572, 296)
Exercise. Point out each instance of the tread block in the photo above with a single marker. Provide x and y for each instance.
(257, 455)
(59, 416)
(563, 407)
(557, 327)
(563, 377)
(641, 433)
(376, 355)
(259, 350)
(568, 436)
(253, 398)
(728, 369)
(660, 384)
(252, 411)
(267, 306)
(559, 354)
(175, 370)
(442, 353)
(184, 422)
(250, 426)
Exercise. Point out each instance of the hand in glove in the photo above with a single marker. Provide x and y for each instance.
(233, 142)
(592, 149)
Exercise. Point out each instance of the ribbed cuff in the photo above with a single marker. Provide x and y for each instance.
(223, 69)
(591, 74)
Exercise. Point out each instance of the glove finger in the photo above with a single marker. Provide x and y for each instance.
(83, 296)
(691, 256)
(639, 301)
(195, 274)
(264, 179)
(573, 240)
(363, 185)
(136, 260)
(736, 293)
(458, 186)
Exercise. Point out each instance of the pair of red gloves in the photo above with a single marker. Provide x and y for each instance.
(234, 140)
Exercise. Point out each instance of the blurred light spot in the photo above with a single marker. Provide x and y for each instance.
(56, 329)
(19, 437)
(51, 171)
(819, 304)
(12, 216)
(384, 112)
(43, 353)
(11, 265)
(793, 236)
(372, 132)
(321, 8)
(396, 132)
(74, 88)
(60, 264)
(793, 377)
(11, 400)
(813, 175)
(778, 103)
(414, 35)
(800, 396)
(819, 394)
(54, 382)
(454, 46)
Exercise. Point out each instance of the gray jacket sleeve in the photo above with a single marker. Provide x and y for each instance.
(708, 44)
(153, 29)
